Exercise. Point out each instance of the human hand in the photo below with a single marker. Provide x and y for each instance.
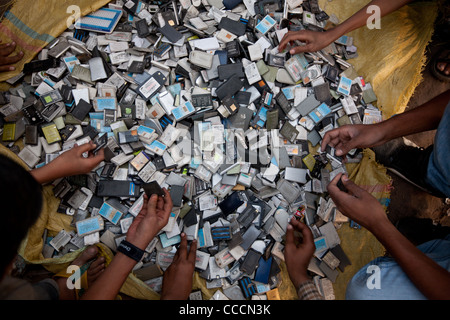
(177, 280)
(348, 137)
(6, 61)
(298, 256)
(73, 162)
(314, 40)
(357, 204)
(153, 216)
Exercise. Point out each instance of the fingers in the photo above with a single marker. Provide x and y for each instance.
(182, 249)
(352, 187)
(328, 137)
(100, 156)
(343, 199)
(144, 205)
(7, 48)
(343, 148)
(160, 204)
(97, 265)
(168, 204)
(290, 239)
(182, 252)
(11, 60)
(7, 68)
(93, 160)
(85, 147)
(308, 237)
(192, 252)
(292, 36)
(342, 139)
(300, 49)
(151, 204)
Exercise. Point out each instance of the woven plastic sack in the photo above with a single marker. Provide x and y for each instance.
(34, 24)
(391, 58)
(31, 248)
(360, 245)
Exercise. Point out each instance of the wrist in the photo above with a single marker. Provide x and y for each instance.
(383, 130)
(334, 33)
(300, 279)
(380, 227)
(139, 242)
(131, 251)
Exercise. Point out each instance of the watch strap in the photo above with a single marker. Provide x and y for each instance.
(130, 250)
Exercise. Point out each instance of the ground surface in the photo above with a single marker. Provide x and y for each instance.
(407, 200)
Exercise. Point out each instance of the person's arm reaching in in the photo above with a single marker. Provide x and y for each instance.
(297, 256)
(430, 278)
(315, 41)
(6, 60)
(423, 118)
(69, 163)
(177, 281)
(153, 216)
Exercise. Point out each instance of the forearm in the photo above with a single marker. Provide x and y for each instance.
(430, 278)
(47, 173)
(107, 286)
(359, 19)
(423, 118)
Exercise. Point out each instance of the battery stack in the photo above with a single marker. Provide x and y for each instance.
(197, 98)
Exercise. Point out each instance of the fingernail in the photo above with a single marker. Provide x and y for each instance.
(12, 68)
(183, 234)
(292, 51)
(339, 152)
(289, 226)
(344, 178)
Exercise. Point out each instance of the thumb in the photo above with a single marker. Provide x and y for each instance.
(290, 236)
(300, 49)
(86, 147)
(352, 187)
(152, 202)
(193, 252)
(343, 148)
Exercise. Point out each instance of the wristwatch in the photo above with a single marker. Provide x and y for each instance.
(130, 250)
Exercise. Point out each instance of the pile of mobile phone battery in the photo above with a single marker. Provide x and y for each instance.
(195, 96)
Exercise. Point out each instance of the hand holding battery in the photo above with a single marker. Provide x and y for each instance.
(73, 162)
(153, 216)
(357, 204)
(313, 41)
(70, 163)
(298, 255)
(6, 61)
(177, 281)
(348, 137)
